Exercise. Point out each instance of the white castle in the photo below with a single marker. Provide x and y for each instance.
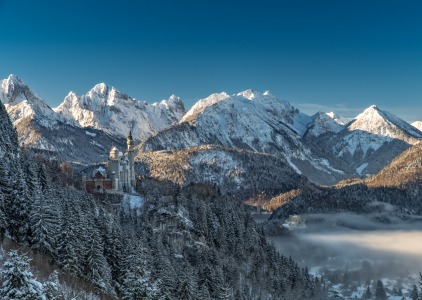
(119, 173)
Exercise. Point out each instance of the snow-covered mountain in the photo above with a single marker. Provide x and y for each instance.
(82, 129)
(255, 122)
(370, 141)
(106, 109)
(21, 102)
(323, 147)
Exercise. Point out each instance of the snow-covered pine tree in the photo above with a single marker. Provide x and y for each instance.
(5, 192)
(138, 284)
(68, 251)
(18, 206)
(188, 288)
(19, 282)
(44, 219)
(96, 268)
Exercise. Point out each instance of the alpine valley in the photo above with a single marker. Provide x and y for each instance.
(184, 230)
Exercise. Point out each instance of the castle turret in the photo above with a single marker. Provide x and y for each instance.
(131, 157)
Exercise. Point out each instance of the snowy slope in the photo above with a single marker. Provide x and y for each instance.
(105, 108)
(417, 125)
(203, 103)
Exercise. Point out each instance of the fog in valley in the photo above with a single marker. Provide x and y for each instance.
(351, 252)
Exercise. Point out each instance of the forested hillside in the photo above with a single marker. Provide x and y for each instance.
(171, 243)
(234, 171)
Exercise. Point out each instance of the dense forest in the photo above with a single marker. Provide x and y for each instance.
(180, 243)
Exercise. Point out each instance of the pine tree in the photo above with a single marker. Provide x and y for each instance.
(167, 279)
(414, 293)
(380, 292)
(18, 207)
(204, 294)
(368, 293)
(44, 220)
(96, 269)
(137, 284)
(51, 286)
(188, 287)
(68, 252)
(225, 292)
(19, 282)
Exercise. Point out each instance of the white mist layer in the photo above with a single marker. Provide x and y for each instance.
(399, 242)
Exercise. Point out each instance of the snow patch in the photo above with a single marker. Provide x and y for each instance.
(90, 133)
(360, 169)
(134, 201)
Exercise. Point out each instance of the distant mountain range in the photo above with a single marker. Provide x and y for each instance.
(82, 129)
(325, 148)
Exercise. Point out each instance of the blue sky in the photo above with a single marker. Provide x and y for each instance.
(340, 56)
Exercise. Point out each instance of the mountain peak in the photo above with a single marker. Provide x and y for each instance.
(249, 94)
(174, 98)
(268, 93)
(333, 115)
(101, 88)
(14, 78)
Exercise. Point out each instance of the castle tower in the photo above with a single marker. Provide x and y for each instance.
(114, 165)
(131, 157)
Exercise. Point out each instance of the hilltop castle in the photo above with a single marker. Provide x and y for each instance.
(119, 173)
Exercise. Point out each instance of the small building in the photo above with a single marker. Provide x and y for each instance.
(294, 222)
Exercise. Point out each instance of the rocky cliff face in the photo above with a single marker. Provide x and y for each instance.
(106, 109)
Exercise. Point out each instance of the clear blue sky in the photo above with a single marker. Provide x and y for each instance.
(320, 55)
